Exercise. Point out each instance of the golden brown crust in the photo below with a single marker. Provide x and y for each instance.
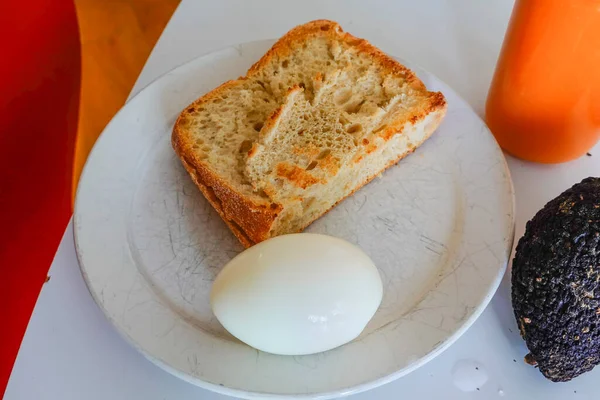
(209, 194)
(248, 220)
(436, 102)
(298, 34)
(431, 128)
(334, 31)
(251, 220)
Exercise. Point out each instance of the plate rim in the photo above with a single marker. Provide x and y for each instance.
(350, 390)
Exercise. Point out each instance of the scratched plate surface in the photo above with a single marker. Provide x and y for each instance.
(439, 227)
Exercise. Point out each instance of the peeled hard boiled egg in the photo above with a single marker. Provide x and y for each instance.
(297, 294)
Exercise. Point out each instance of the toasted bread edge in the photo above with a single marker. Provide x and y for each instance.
(251, 222)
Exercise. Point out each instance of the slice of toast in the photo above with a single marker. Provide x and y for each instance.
(316, 118)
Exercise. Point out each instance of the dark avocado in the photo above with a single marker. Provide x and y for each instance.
(556, 284)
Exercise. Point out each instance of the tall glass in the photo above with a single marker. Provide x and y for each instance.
(544, 101)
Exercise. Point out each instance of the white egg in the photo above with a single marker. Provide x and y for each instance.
(297, 294)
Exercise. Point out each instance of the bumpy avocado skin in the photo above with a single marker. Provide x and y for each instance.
(556, 283)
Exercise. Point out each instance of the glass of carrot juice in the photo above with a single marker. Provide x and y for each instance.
(544, 100)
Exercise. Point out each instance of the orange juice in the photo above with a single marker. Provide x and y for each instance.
(544, 101)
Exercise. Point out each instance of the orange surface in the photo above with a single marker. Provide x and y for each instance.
(544, 101)
(116, 40)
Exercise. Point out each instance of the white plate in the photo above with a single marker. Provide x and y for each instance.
(439, 226)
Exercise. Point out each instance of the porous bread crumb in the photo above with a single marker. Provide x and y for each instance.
(319, 116)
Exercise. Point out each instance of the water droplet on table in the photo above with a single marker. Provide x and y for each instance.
(500, 392)
(469, 375)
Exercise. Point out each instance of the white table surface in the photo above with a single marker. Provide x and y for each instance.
(70, 351)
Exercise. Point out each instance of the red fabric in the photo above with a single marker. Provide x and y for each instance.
(39, 95)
